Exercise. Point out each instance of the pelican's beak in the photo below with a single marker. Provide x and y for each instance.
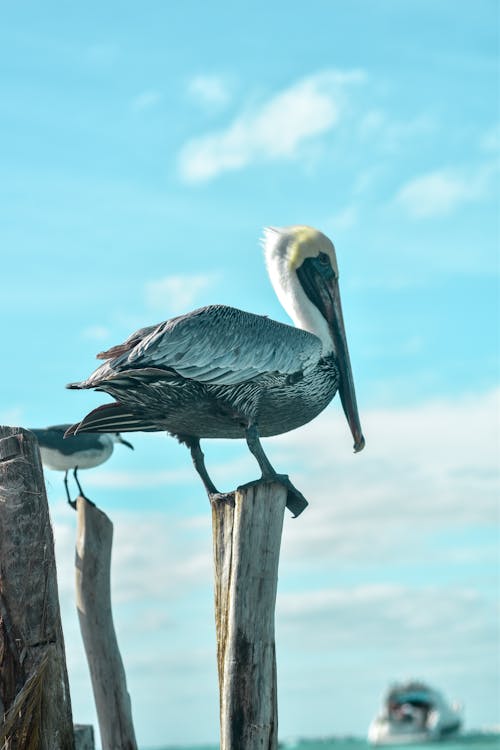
(119, 439)
(322, 288)
(331, 293)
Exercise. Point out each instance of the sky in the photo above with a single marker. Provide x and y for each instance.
(142, 151)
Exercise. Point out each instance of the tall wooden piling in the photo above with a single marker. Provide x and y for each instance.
(247, 528)
(93, 598)
(34, 692)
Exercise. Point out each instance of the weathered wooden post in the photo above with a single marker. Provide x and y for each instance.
(84, 737)
(34, 693)
(93, 599)
(247, 526)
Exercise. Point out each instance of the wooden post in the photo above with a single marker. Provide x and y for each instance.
(34, 693)
(84, 737)
(93, 597)
(247, 528)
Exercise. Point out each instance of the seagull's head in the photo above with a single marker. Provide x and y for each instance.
(117, 438)
(302, 266)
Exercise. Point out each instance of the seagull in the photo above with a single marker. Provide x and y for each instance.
(79, 452)
(220, 372)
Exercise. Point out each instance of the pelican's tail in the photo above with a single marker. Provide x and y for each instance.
(112, 418)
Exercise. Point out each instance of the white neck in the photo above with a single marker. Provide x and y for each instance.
(297, 304)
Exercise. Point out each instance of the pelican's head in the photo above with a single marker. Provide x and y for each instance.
(302, 265)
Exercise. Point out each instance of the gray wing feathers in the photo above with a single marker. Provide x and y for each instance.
(134, 339)
(222, 345)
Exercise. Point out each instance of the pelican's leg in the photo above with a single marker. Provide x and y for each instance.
(253, 442)
(295, 500)
(199, 465)
(193, 443)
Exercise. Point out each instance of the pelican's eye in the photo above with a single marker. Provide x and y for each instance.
(324, 259)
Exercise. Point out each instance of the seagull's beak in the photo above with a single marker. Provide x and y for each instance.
(119, 439)
(322, 288)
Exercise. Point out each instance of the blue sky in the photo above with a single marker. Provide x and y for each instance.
(142, 152)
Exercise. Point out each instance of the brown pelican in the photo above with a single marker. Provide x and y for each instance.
(77, 452)
(219, 372)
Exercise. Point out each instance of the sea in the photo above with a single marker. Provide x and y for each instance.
(465, 741)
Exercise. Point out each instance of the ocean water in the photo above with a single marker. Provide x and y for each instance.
(465, 741)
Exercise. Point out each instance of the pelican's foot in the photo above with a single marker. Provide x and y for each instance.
(295, 500)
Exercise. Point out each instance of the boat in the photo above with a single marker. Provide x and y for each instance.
(414, 713)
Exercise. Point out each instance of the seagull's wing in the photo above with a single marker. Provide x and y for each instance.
(52, 438)
(221, 345)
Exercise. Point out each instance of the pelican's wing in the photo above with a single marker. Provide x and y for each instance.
(134, 339)
(223, 345)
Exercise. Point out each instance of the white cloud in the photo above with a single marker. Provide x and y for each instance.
(12, 417)
(383, 606)
(132, 480)
(434, 194)
(209, 90)
(490, 140)
(146, 100)
(177, 294)
(275, 130)
(440, 192)
(95, 333)
(380, 622)
(343, 220)
(429, 467)
(154, 555)
(390, 134)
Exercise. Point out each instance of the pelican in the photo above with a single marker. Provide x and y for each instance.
(220, 372)
(79, 452)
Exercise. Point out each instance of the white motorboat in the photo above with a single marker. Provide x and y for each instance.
(413, 713)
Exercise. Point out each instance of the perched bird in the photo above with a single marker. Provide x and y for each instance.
(78, 452)
(219, 372)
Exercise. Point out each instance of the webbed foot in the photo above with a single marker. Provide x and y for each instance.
(295, 500)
